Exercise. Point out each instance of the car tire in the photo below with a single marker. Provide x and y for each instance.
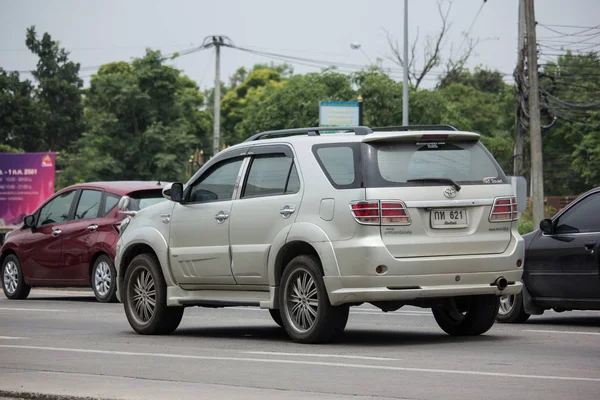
(145, 298)
(13, 280)
(104, 280)
(511, 309)
(467, 315)
(276, 315)
(307, 315)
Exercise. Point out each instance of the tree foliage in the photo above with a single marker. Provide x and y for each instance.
(143, 122)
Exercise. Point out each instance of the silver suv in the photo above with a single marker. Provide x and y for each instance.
(306, 223)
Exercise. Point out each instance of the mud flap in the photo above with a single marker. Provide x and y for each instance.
(528, 305)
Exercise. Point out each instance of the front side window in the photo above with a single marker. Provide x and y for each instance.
(57, 210)
(583, 217)
(269, 175)
(89, 204)
(218, 184)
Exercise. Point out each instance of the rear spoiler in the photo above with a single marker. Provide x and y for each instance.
(427, 136)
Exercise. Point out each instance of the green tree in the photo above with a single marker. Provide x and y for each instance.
(58, 94)
(19, 116)
(143, 122)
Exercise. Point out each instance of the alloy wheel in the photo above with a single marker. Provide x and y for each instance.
(507, 303)
(11, 277)
(302, 301)
(143, 295)
(102, 279)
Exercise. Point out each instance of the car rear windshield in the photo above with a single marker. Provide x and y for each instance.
(145, 198)
(404, 164)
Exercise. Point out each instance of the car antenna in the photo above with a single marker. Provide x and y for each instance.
(158, 183)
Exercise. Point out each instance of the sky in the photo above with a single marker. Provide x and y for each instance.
(96, 32)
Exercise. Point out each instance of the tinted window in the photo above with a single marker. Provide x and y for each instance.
(338, 163)
(268, 176)
(465, 162)
(293, 185)
(57, 210)
(110, 202)
(145, 198)
(89, 204)
(582, 217)
(218, 184)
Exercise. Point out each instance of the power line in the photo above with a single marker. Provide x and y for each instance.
(570, 34)
(466, 35)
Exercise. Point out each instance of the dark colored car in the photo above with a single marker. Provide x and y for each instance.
(562, 263)
(71, 239)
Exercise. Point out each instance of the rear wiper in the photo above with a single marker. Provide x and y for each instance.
(446, 180)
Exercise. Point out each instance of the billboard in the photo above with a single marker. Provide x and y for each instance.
(26, 180)
(339, 113)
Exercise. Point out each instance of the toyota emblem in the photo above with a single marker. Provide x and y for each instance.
(450, 192)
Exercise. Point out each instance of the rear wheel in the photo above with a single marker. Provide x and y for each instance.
(145, 298)
(467, 316)
(104, 282)
(13, 281)
(511, 309)
(306, 313)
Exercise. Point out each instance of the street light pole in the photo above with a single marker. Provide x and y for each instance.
(405, 83)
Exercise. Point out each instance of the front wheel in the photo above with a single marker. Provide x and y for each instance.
(13, 280)
(468, 315)
(104, 280)
(511, 309)
(307, 314)
(145, 298)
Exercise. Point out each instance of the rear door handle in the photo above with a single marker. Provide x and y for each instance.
(92, 228)
(590, 246)
(287, 210)
(56, 232)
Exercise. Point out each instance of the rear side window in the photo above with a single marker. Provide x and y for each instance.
(110, 202)
(403, 164)
(341, 164)
(269, 175)
(89, 204)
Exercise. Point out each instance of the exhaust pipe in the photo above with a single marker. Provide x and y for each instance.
(501, 283)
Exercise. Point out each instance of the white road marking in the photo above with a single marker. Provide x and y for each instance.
(11, 338)
(563, 332)
(275, 353)
(298, 362)
(30, 309)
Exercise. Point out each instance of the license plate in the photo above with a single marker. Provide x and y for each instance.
(449, 218)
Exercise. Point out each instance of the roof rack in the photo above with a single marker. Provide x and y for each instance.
(415, 128)
(314, 131)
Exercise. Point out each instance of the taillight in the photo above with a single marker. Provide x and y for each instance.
(394, 213)
(366, 212)
(380, 212)
(504, 209)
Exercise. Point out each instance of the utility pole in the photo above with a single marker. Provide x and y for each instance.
(535, 130)
(405, 82)
(519, 147)
(217, 41)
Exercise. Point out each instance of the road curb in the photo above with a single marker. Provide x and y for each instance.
(7, 394)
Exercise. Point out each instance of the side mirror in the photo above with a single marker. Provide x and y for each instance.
(174, 192)
(29, 221)
(123, 205)
(546, 226)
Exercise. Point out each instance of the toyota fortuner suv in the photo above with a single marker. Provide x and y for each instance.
(306, 223)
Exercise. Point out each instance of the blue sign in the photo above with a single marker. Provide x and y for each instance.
(338, 113)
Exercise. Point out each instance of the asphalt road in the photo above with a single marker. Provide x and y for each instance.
(65, 343)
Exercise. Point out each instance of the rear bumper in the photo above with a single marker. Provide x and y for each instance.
(414, 278)
(353, 289)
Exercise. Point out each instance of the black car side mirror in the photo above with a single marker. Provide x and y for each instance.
(29, 221)
(174, 192)
(546, 226)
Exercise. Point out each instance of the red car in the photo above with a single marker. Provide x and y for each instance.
(71, 239)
